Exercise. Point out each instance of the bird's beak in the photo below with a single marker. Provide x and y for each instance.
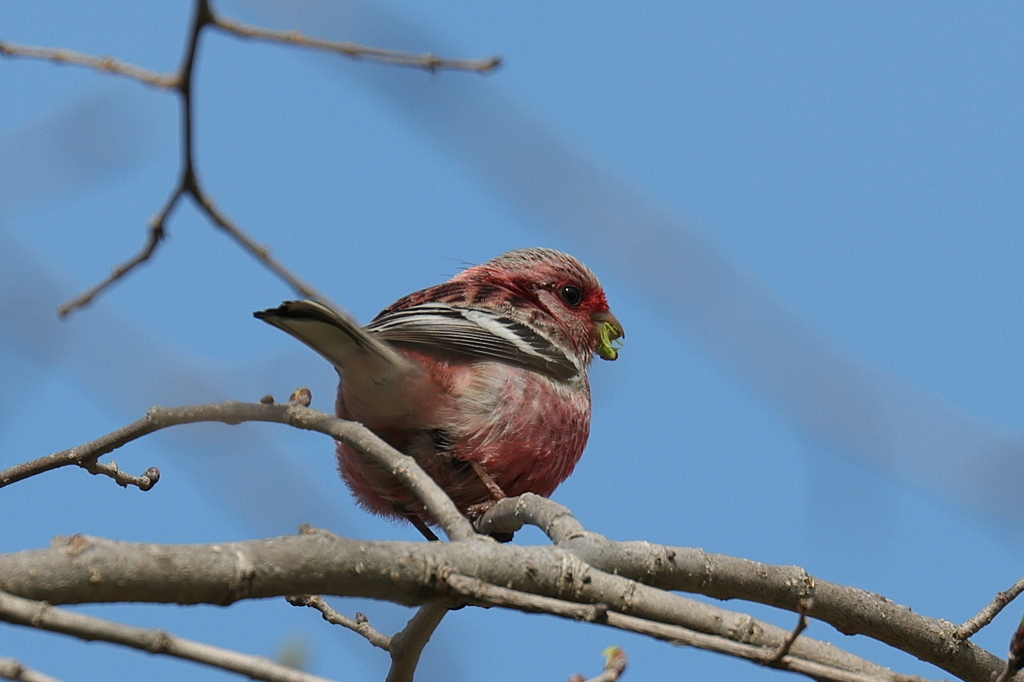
(608, 330)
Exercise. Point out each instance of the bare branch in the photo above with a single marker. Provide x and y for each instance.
(848, 609)
(143, 482)
(181, 83)
(485, 594)
(403, 467)
(104, 64)
(83, 569)
(512, 513)
(11, 669)
(360, 625)
(85, 456)
(256, 250)
(481, 593)
(775, 659)
(153, 240)
(426, 61)
(41, 615)
(407, 645)
(975, 623)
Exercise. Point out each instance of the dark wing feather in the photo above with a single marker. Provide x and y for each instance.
(476, 333)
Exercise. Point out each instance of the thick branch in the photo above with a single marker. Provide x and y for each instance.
(81, 569)
(848, 609)
(44, 616)
(484, 594)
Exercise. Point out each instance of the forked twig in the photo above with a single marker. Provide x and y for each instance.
(180, 82)
(360, 625)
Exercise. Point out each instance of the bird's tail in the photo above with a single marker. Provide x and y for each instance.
(338, 339)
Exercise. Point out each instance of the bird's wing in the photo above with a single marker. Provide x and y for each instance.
(477, 333)
(338, 339)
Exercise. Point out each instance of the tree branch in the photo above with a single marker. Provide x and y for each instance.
(102, 64)
(11, 669)
(848, 609)
(426, 61)
(975, 623)
(360, 625)
(484, 594)
(775, 659)
(180, 82)
(83, 569)
(41, 615)
(407, 645)
(403, 467)
(668, 568)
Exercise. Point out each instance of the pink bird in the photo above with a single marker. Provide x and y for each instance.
(482, 379)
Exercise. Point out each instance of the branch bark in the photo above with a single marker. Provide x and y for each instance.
(42, 615)
(455, 525)
(82, 569)
(850, 610)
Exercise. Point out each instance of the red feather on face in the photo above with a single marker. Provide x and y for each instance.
(482, 379)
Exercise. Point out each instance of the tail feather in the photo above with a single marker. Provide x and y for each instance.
(338, 339)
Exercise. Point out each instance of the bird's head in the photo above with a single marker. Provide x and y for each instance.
(550, 284)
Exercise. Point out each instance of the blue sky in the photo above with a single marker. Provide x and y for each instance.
(808, 218)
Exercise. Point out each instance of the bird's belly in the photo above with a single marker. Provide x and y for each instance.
(525, 430)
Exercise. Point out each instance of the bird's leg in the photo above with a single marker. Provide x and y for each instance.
(417, 522)
(497, 494)
(493, 489)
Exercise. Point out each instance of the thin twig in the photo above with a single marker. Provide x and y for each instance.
(360, 625)
(426, 61)
(256, 250)
(12, 669)
(144, 482)
(155, 236)
(104, 64)
(85, 456)
(775, 659)
(407, 645)
(975, 623)
(41, 615)
(181, 82)
(403, 467)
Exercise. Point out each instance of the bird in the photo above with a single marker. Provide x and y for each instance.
(482, 379)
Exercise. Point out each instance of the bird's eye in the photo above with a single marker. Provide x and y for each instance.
(571, 295)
